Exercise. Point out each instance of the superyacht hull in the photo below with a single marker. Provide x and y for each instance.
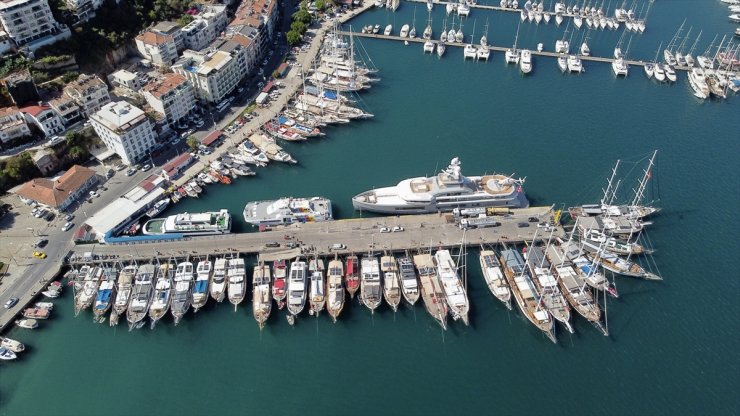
(519, 201)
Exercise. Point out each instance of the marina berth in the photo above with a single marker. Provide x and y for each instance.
(448, 190)
(335, 289)
(142, 295)
(261, 300)
(457, 297)
(285, 211)
(494, 276)
(219, 284)
(432, 293)
(204, 273)
(182, 293)
(297, 287)
(525, 293)
(162, 293)
(237, 277)
(215, 222)
(370, 285)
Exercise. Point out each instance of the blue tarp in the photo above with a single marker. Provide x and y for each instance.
(201, 286)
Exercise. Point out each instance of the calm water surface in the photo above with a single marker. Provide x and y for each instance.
(672, 347)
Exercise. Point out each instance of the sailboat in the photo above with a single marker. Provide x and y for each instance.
(550, 295)
(141, 296)
(182, 294)
(525, 292)
(106, 292)
(470, 51)
(317, 298)
(335, 289)
(483, 52)
(431, 290)
(261, 302)
(494, 276)
(428, 30)
(125, 287)
(391, 284)
(162, 294)
(237, 278)
(412, 32)
(455, 294)
(297, 287)
(512, 55)
(619, 65)
(689, 57)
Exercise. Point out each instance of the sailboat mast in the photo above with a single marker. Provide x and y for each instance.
(640, 192)
(608, 189)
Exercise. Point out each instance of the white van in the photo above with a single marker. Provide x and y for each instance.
(338, 246)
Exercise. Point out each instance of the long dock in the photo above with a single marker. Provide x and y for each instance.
(498, 48)
(360, 235)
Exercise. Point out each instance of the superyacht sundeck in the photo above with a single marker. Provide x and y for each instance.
(457, 298)
(525, 293)
(409, 283)
(280, 273)
(285, 211)
(432, 292)
(261, 300)
(391, 284)
(141, 296)
(237, 276)
(202, 280)
(494, 276)
(183, 290)
(370, 283)
(297, 287)
(335, 289)
(162, 294)
(317, 298)
(444, 192)
(219, 284)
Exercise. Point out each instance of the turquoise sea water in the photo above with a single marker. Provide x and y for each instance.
(672, 347)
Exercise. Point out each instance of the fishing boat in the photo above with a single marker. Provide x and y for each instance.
(297, 287)
(6, 354)
(547, 285)
(237, 276)
(261, 302)
(370, 289)
(142, 295)
(391, 284)
(36, 313)
(352, 275)
(27, 323)
(317, 298)
(431, 290)
(106, 293)
(219, 284)
(525, 293)
(44, 305)
(409, 283)
(494, 276)
(335, 289)
(278, 287)
(202, 280)
(457, 298)
(162, 293)
(12, 344)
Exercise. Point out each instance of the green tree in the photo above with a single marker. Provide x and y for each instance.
(320, 4)
(293, 38)
(299, 27)
(193, 142)
(185, 19)
(302, 16)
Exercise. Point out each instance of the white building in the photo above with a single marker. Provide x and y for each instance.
(124, 129)
(205, 27)
(66, 109)
(170, 28)
(83, 10)
(28, 20)
(161, 50)
(172, 96)
(214, 74)
(89, 92)
(125, 79)
(45, 118)
(12, 124)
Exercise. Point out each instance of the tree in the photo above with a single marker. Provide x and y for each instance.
(293, 38)
(302, 16)
(298, 26)
(185, 19)
(193, 142)
(321, 5)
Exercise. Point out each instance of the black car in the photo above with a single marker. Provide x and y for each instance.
(533, 219)
(272, 244)
(41, 243)
(523, 224)
(50, 216)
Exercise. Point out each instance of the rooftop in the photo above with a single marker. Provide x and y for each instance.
(166, 27)
(119, 115)
(152, 38)
(35, 110)
(171, 167)
(124, 75)
(53, 192)
(217, 61)
(84, 82)
(168, 83)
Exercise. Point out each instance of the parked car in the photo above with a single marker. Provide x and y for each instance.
(272, 244)
(67, 226)
(338, 246)
(146, 167)
(69, 217)
(397, 229)
(130, 172)
(523, 225)
(39, 254)
(10, 303)
(385, 230)
(50, 216)
(41, 243)
(94, 194)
